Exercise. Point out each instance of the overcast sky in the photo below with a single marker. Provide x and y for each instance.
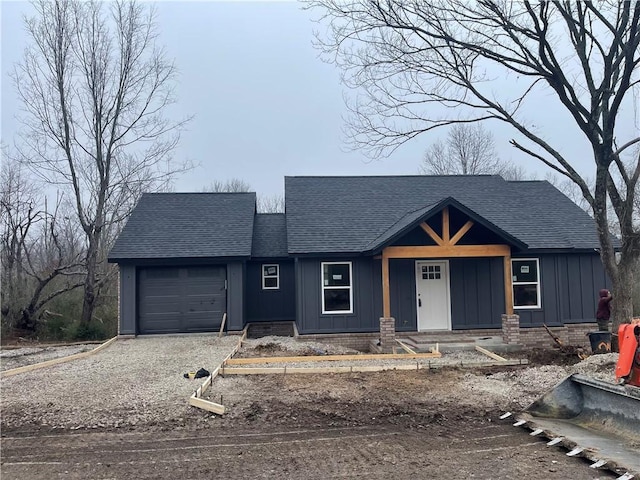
(265, 105)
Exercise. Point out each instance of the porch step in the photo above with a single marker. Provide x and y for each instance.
(264, 329)
(417, 339)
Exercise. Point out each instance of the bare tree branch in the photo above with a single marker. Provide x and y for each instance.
(417, 66)
(95, 87)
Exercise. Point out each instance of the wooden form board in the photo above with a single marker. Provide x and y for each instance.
(488, 353)
(195, 400)
(206, 405)
(405, 347)
(332, 358)
(357, 369)
(57, 361)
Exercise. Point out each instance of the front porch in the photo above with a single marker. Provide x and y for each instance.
(444, 243)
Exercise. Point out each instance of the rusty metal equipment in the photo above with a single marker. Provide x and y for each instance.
(628, 367)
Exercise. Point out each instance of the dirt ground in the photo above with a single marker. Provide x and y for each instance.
(440, 423)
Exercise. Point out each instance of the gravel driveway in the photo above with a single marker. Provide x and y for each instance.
(132, 382)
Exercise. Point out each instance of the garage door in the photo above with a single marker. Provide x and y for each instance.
(186, 299)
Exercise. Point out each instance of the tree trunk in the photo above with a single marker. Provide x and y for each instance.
(89, 298)
(622, 303)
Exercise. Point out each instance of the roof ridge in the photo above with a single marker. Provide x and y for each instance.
(199, 193)
(412, 212)
(394, 176)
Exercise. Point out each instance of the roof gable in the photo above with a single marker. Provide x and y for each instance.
(188, 225)
(413, 219)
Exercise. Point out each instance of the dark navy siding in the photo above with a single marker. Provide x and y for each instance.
(477, 292)
(570, 285)
(402, 288)
(127, 321)
(270, 305)
(367, 298)
(235, 296)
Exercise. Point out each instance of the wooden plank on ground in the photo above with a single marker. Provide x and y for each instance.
(332, 358)
(56, 361)
(405, 347)
(207, 405)
(488, 353)
(360, 368)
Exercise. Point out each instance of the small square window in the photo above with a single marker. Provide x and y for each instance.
(271, 277)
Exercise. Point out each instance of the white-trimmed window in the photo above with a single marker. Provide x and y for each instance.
(271, 277)
(337, 287)
(526, 282)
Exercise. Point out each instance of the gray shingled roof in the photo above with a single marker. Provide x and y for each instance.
(269, 235)
(188, 225)
(351, 214)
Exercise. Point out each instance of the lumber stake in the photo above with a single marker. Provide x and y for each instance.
(488, 353)
(405, 347)
(224, 320)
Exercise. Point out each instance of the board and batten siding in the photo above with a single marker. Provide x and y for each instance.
(476, 287)
(477, 292)
(367, 297)
(127, 300)
(402, 290)
(271, 304)
(235, 296)
(570, 286)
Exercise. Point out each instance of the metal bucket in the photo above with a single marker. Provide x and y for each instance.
(600, 342)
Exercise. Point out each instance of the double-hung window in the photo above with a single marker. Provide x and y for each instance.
(337, 287)
(526, 283)
(270, 277)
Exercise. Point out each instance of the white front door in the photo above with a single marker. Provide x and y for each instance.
(432, 295)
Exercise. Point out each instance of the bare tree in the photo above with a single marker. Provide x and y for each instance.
(270, 204)
(94, 87)
(37, 247)
(264, 204)
(424, 65)
(229, 186)
(469, 149)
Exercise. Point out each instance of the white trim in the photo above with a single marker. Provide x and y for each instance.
(448, 299)
(276, 276)
(537, 283)
(324, 287)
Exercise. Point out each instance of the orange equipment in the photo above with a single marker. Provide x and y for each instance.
(628, 367)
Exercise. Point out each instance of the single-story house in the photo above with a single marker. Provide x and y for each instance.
(433, 252)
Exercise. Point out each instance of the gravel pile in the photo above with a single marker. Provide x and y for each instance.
(288, 346)
(131, 382)
(521, 387)
(140, 381)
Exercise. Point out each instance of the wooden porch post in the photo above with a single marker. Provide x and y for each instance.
(508, 286)
(386, 296)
